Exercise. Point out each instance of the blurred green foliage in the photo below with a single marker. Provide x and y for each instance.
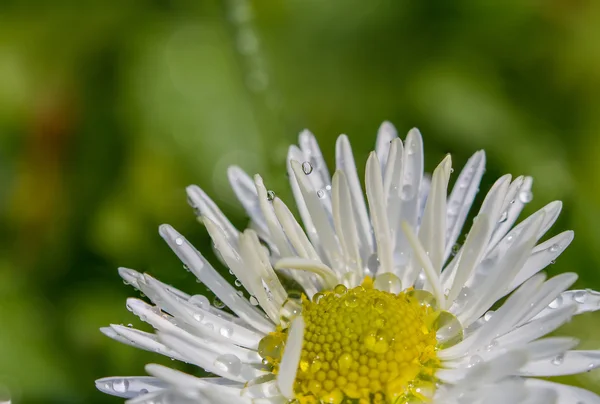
(109, 109)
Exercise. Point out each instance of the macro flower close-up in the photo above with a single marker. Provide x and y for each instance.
(401, 291)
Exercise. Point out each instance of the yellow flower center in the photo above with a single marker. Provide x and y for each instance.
(363, 345)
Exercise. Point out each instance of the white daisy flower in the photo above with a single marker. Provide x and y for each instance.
(386, 307)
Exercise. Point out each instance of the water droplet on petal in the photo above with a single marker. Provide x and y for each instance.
(238, 283)
(179, 241)
(198, 316)
(121, 386)
(558, 360)
(218, 303)
(407, 192)
(200, 301)
(253, 301)
(580, 296)
(307, 168)
(226, 331)
(321, 194)
(503, 217)
(474, 361)
(556, 303)
(525, 196)
(229, 363)
(270, 196)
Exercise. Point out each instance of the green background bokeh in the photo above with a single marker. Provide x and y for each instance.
(109, 109)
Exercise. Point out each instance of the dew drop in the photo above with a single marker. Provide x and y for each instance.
(218, 303)
(307, 168)
(503, 217)
(493, 344)
(179, 241)
(199, 301)
(198, 316)
(226, 331)
(580, 296)
(556, 303)
(554, 248)
(143, 391)
(558, 360)
(240, 293)
(372, 264)
(455, 249)
(407, 192)
(121, 386)
(474, 361)
(388, 282)
(321, 194)
(253, 301)
(487, 316)
(340, 289)
(229, 363)
(238, 283)
(351, 300)
(270, 196)
(525, 196)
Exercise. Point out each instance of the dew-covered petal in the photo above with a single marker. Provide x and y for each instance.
(385, 135)
(566, 394)
(412, 176)
(139, 339)
(461, 198)
(320, 218)
(376, 199)
(344, 161)
(129, 387)
(568, 363)
(433, 226)
(225, 365)
(213, 280)
(543, 255)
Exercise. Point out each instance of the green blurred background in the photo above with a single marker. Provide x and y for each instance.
(108, 109)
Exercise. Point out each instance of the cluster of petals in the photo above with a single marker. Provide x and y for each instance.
(406, 229)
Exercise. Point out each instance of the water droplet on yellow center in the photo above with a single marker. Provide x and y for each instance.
(363, 344)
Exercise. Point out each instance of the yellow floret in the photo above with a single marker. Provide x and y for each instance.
(362, 345)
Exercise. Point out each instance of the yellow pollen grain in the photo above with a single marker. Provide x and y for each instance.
(361, 344)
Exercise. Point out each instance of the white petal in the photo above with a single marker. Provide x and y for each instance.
(412, 176)
(244, 189)
(376, 199)
(129, 387)
(343, 220)
(225, 365)
(213, 280)
(423, 259)
(543, 255)
(277, 236)
(319, 217)
(291, 358)
(198, 200)
(470, 256)
(566, 394)
(461, 198)
(569, 363)
(344, 161)
(329, 277)
(385, 135)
